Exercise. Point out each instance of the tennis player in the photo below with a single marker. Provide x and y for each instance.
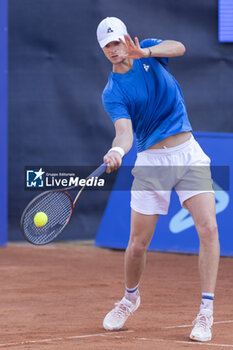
(142, 96)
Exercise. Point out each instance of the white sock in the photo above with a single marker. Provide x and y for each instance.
(132, 293)
(207, 302)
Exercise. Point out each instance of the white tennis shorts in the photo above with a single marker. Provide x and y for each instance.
(185, 168)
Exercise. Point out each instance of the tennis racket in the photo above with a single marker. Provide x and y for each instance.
(58, 206)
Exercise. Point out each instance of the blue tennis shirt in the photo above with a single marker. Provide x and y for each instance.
(150, 96)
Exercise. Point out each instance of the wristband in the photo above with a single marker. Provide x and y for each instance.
(119, 150)
(150, 52)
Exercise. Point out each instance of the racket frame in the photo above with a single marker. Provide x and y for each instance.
(41, 195)
(99, 171)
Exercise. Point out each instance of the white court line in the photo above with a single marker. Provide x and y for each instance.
(49, 340)
(184, 342)
(190, 325)
(201, 343)
(26, 342)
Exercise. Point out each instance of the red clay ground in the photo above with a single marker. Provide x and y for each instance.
(56, 297)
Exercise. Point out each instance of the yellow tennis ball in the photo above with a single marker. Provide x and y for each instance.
(40, 219)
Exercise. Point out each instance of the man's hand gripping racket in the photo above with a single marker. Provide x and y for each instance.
(58, 207)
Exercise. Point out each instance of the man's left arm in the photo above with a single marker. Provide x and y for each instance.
(167, 48)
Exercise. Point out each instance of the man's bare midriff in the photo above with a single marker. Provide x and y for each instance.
(173, 141)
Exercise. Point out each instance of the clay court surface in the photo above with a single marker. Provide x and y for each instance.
(55, 297)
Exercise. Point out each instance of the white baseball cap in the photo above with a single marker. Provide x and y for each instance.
(110, 29)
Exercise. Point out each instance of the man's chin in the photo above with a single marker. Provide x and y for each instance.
(118, 60)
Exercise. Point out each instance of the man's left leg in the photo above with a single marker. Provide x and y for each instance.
(202, 210)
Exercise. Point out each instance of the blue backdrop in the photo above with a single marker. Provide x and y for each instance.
(57, 73)
(175, 232)
(3, 122)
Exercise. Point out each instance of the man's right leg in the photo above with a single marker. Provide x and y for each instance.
(142, 229)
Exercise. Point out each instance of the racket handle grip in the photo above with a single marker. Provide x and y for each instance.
(99, 171)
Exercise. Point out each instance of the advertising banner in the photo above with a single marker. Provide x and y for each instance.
(175, 232)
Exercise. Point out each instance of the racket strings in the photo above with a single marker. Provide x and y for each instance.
(58, 208)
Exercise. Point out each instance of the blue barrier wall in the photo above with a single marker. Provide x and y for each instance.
(3, 122)
(175, 232)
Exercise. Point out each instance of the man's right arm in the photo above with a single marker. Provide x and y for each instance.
(123, 139)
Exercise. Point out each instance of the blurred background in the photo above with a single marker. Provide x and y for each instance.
(57, 73)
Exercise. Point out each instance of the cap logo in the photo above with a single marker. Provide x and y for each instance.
(109, 30)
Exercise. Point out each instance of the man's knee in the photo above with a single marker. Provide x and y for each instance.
(208, 232)
(136, 248)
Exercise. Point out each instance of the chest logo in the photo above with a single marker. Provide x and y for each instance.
(146, 67)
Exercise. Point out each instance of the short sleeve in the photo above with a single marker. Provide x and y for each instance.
(115, 106)
(152, 42)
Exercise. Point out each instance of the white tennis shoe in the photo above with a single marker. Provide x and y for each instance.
(117, 317)
(202, 330)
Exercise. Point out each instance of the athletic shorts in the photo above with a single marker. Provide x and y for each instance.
(184, 168)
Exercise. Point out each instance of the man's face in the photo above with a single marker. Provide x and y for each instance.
(113, 50)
